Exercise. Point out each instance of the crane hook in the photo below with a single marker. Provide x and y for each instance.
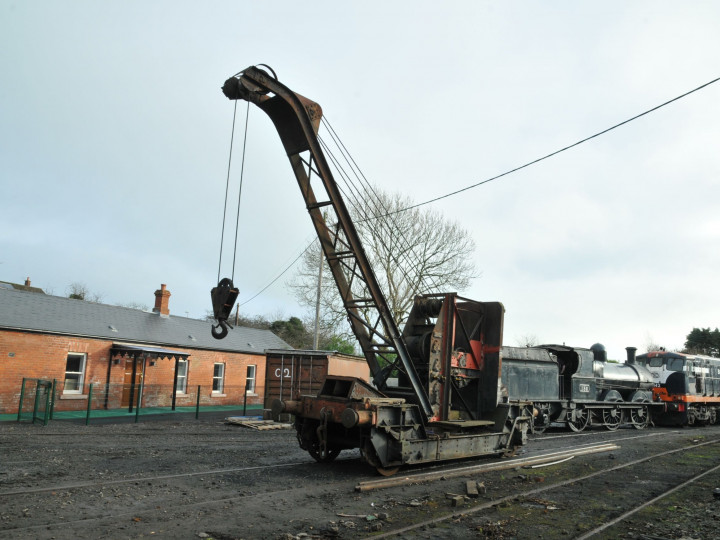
(223, 297)
(219, 334)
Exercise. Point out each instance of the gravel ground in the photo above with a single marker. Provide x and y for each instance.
(208, 479)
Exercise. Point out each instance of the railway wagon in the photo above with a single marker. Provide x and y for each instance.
(577, 387)
(687, 384)
(294, 372)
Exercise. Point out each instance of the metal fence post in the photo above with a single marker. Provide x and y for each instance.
(52, 399)
(48, 405)
(37, 400)
(22, 396)
(89, 407)
(245, 401)
(197, 406)
(139, 400)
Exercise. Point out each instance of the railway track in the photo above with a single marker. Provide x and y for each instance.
(591, 527)
(257, 499)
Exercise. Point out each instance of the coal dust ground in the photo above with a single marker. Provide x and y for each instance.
(187, 478)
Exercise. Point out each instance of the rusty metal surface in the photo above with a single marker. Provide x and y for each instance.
(445, 364)
(297, 119)
(456, 346)
(288, 376)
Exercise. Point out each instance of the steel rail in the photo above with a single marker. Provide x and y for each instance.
(205, 502)
(652, 501)
(483, 468)
(543, 438)
(510, 498)
(80, 485)
(152, 504)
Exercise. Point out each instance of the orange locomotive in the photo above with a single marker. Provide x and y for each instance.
(688, 384)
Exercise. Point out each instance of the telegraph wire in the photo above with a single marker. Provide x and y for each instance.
(511, 171)
(357, 195)
(279, 275)
(377, 210)
(603, 132)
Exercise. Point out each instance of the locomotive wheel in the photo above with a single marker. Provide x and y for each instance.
(542, 421)
(640, 418)
(387, 471)
(612, 418)
(368, 452)
(328, 456)
(581, 421)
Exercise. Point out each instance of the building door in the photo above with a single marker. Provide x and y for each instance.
(131, 383)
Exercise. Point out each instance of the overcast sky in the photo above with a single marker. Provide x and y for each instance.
(114, 141)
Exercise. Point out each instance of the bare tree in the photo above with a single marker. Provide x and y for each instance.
(412, 252)
(650, 343)
(527, 340)
(80, 291)
(134, 305)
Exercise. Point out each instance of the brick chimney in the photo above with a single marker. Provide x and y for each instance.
(162, 299)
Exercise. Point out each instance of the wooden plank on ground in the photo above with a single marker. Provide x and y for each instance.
(260, 425)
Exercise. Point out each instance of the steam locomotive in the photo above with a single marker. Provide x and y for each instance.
(578, 387)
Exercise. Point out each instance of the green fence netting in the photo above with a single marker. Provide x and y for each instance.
(44, 400)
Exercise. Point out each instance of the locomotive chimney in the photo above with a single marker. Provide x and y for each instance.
(630, 355)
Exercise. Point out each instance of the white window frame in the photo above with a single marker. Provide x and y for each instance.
(182, 376)
(218, 380)
(78, 376)
(250, 379)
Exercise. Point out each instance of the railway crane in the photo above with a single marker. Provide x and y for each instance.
(435, 393)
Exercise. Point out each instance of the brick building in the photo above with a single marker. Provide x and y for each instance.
(78, 343)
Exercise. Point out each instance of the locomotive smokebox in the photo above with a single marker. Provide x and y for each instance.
(630, 355)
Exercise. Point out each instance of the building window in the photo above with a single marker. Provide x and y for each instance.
(182, 372)
(74, 373)
(218, 378)
(250, 380)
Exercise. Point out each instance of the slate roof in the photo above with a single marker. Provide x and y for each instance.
(20, 287)
(20, 310)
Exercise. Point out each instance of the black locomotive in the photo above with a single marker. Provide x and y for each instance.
(577, 387)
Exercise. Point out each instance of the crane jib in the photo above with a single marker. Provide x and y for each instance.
(297, 120)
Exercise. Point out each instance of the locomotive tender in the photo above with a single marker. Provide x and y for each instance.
(687, 384)
(577, 387)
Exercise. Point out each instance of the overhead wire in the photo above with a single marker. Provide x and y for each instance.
(378, 201)
(511, 171)
(538, 160)
(354, 201)
(278, 276)
(363, 190)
